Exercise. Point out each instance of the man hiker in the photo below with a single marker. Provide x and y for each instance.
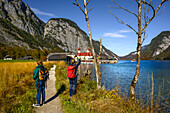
(72, 75)
(39, 76)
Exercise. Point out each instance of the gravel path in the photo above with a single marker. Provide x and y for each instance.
(52, 100)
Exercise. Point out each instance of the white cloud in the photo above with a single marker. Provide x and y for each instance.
(37, 11)
(118, 34)
(115, 35)
(125, 31)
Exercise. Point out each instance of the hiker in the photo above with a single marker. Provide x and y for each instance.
(72, 75)
(40, 82)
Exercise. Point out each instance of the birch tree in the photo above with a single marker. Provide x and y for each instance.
(146, 18)
(96, 60)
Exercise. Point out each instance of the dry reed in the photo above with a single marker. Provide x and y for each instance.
(15, 80)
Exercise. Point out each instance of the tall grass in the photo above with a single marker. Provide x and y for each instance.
(17, 87)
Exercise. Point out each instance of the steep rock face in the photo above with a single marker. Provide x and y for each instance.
(19, 26)
(65, 34)
(20, 15)
(12, 36)
(68, 36)
(158, 48)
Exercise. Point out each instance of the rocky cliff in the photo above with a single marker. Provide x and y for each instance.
(158, 46)
(67, 35)
(19, 26)
(11, 35)
(158, 49)
(19, 14)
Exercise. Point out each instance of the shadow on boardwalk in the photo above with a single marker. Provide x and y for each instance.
(52, 104)
(60, 91)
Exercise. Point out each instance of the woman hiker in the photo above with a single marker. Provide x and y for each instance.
(40, 84)
(72, 75)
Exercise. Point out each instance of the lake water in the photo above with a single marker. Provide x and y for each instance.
(122, 73)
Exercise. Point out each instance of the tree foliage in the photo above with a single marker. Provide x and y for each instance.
(20, 52)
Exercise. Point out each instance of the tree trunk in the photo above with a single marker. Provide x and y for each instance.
(98, 64)
(135, 79)
(91, 44)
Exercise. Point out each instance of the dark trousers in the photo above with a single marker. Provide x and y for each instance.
(73, 83)
(40, 89)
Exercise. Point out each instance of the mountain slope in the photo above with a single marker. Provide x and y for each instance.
(19, 26)
(159, 45)
(158, 49)
(13, 36)
(19, 14)
(68, 36)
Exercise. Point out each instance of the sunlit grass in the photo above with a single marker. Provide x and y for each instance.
(3, 61)
(89, 99)
(17, 87)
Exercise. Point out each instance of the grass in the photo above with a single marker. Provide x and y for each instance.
(2, 61)
(89, 99)
(17, 91)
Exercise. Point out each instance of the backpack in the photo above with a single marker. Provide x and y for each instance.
(71, 72)
(43, 74)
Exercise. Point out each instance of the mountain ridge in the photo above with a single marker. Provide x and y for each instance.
(158, 49)
(21, 27)
(19, 14)
(72, 36)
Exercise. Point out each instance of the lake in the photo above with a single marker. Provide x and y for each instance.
(122, 73)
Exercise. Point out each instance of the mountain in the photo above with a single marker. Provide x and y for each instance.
(11, 35)
(66, 34)
(158, 49)
(19, 26)
(130, 56)
(20, 15)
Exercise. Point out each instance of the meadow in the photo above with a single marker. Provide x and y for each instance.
(89, 99)
(17, 61)
(18, 92)
(17, 88)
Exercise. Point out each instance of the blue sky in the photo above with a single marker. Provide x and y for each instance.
(116, 37)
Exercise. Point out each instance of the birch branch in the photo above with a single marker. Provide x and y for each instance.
(100, 52)
(78, 6)
(88, 2)
(120, 21)
(155, 12)
(123, 8)
(89, 10)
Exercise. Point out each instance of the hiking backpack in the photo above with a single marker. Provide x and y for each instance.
(71, 72)
(43, 74)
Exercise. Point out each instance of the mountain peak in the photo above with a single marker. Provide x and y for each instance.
(19, 14)
(159, 48)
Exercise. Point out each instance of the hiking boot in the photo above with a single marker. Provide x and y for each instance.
(36, 105)
(44, 102)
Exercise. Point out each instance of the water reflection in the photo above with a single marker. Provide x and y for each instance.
(122, 73)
